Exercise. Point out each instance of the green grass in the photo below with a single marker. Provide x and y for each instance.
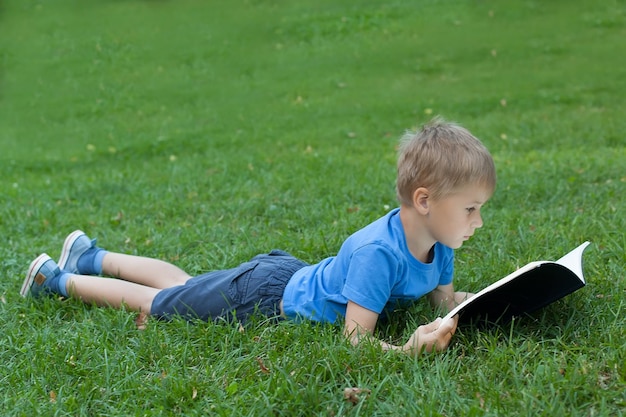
(206, 132)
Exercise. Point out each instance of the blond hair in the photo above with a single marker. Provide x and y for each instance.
(442, 157)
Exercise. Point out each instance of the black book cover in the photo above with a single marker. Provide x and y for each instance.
(526, 290)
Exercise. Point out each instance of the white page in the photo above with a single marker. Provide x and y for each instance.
(573, 261)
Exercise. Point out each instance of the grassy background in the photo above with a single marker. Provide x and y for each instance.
(206, 132)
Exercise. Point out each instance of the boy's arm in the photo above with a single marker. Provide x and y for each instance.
(360, 324)
(445, 297)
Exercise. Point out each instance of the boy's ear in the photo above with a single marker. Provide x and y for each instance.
(421, 200)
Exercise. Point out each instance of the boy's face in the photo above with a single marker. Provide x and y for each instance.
(453, 219)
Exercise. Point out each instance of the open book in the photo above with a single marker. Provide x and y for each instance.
(531, 287)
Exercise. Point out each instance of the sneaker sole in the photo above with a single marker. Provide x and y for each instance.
(67, 247)
(30, 277)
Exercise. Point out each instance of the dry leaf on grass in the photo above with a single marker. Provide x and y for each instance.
(141, 321)
(352, 394)
(262, 366)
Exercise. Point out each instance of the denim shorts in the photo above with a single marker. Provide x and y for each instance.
(233, 294)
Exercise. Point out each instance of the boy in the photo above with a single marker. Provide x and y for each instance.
(445, 175)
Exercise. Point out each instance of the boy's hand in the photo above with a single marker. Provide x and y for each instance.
(431, 337)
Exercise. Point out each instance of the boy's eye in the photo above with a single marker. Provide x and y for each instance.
(471, 209)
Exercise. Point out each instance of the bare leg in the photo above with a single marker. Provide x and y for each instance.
(109, 292)
(145, 271)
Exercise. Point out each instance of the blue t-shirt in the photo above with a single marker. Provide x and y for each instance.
(373, 269)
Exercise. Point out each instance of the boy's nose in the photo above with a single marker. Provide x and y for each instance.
(478, 223)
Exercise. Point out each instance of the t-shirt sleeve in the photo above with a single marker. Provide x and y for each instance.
(447, 269)
(370, 277)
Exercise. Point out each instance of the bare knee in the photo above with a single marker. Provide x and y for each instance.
(181, 279)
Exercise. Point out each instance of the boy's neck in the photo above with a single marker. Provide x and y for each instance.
(418, 240)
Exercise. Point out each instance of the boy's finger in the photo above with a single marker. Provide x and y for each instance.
(432, 326)
(448, 326)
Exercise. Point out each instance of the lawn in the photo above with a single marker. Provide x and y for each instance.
(205, 132)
